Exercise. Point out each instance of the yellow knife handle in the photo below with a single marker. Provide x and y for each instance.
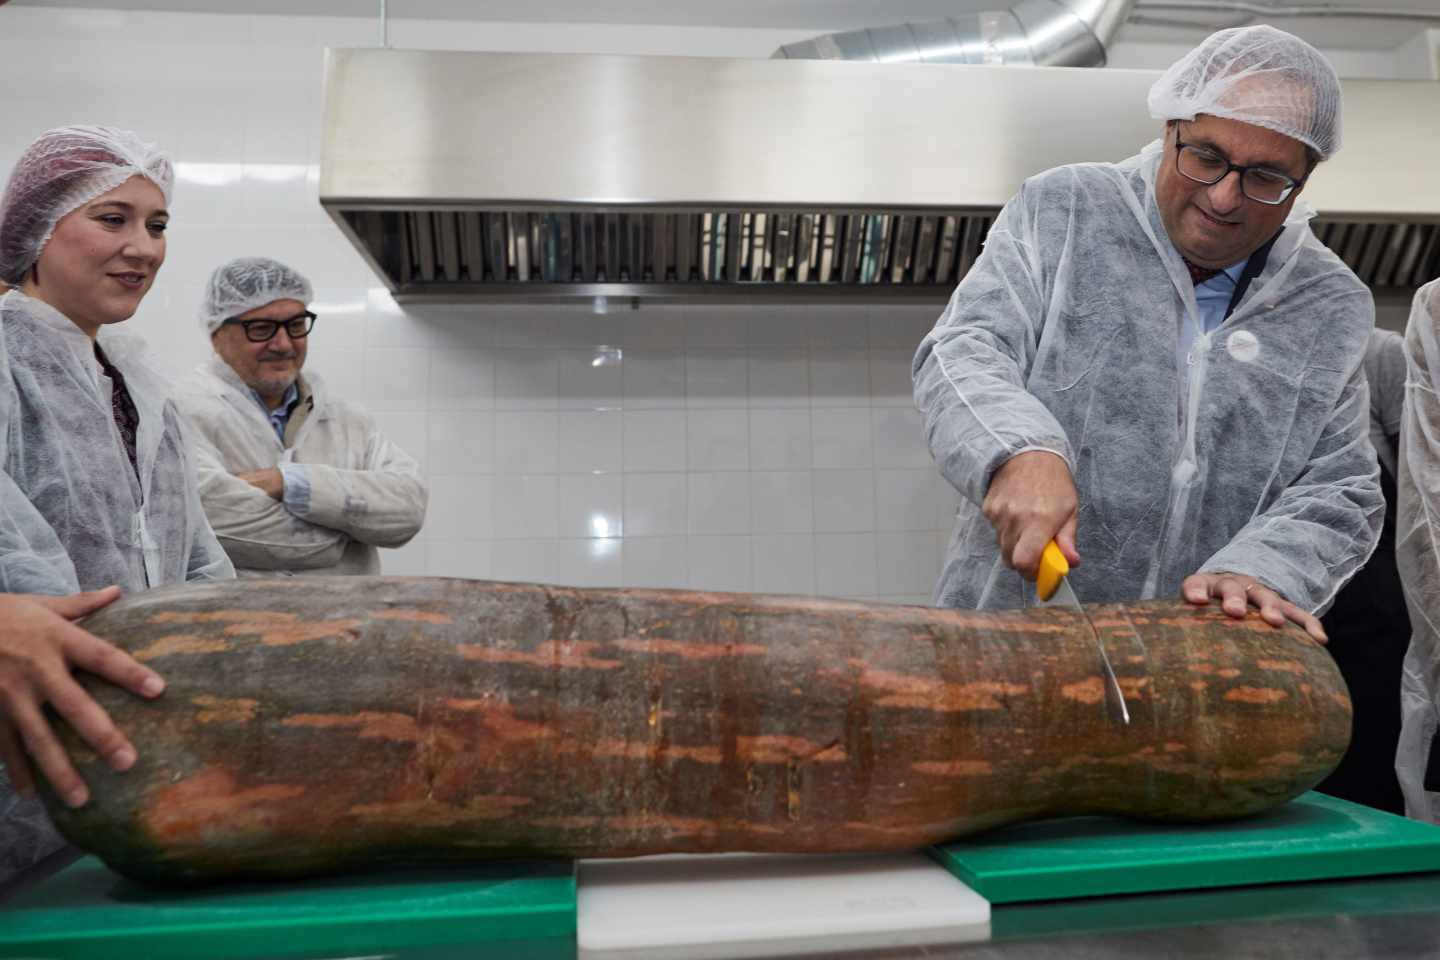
(1053, 566)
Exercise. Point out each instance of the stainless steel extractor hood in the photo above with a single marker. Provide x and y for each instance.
(464, 176)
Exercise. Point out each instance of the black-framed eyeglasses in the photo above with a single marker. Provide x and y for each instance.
(1261, 184)
(297, 327)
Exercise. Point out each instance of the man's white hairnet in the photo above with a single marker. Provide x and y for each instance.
(1256, 75)
(247, 283)
(63, 169)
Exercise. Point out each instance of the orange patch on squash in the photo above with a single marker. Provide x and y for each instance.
(417, 616)
(499, 719)
(1133, 686)
(288, 634)
(218, 710)
(911, 835)
(566, 823)
(430, 813)
(1209, 669)
(1121, 625)
(780, 749)
(955, 768)
(224, 616)
(1285, 666)
(627, 750)
(180, 643)
(1255, 695)
(209, 801)
(1285, 758)
(690, 651)
(652, 825)
(922, 693)
(1091, 690)
(1273, 766)
(370, 724)
(574, 656)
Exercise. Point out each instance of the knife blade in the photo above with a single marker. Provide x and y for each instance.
(1052, 585)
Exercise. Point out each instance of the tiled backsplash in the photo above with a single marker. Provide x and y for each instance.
(766, 448)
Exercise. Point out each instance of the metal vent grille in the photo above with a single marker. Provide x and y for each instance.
(1388, 256)
(791, 253)
(447, 254)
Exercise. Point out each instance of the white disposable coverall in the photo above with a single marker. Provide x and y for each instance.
(73, 515)
(1062, 338)
(1417, 554)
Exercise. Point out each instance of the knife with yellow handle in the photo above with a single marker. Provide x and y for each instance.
(1053, 586)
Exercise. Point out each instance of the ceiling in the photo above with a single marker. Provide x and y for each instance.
(818, 15)
(786, 14)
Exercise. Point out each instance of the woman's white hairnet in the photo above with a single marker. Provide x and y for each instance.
(1258, 75)
(246, 283)
(63, 169)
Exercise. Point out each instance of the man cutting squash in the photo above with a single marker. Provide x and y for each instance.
(1156, 364)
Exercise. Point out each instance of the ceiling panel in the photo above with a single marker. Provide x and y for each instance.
(1151, 25)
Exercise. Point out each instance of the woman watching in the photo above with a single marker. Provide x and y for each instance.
(97, 491)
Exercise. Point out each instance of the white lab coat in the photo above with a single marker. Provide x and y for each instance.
(365, 492)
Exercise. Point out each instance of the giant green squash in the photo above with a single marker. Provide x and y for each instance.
(323, 724)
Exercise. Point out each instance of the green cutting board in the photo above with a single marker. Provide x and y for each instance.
(1314, 837)
(86, 910)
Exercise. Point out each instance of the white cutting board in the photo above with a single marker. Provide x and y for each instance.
(751, 905)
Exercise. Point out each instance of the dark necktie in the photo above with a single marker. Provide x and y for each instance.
(1199, 275)
(122, 409)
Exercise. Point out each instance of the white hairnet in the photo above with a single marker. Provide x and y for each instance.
(246, 283)
(1256, 75)
(63, 169)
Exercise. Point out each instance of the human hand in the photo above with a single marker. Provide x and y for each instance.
(1237, 591)
(1031, 501)
(270, 482)
(38, 649)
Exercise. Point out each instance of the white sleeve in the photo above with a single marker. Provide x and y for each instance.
(382, 505)
(256, 531)
(971, 369)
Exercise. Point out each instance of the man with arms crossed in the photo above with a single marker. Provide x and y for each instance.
(293, 479)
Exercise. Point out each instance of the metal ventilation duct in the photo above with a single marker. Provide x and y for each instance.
(1048, 33)
(465, 176)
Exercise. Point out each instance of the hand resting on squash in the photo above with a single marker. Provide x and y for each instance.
(39, 647)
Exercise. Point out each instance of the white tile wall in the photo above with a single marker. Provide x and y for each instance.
(725, 447)
(720, 563)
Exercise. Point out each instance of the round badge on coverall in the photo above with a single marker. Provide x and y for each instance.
(1243, 346)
